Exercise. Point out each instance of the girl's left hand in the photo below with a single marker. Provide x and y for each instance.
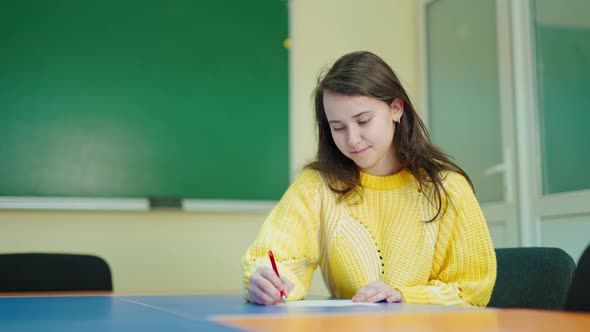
(377, 291)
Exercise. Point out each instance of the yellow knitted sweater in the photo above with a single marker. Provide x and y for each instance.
(383, 237)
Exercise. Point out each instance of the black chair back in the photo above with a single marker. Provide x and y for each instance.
(53, 272)
(579, 293)
(536, 278)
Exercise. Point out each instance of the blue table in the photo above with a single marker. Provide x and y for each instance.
(218, 313)
(150, 312)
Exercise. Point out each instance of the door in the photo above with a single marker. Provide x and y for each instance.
(551, 53)
(469, 101)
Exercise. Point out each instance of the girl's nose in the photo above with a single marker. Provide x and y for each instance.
(354, 136)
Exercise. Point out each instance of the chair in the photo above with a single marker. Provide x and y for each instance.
(579, 293)
(536, 278)
(53, 272)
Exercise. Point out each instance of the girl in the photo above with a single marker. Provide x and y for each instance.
(384, 213)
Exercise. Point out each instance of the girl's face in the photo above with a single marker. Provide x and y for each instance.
(362, 128)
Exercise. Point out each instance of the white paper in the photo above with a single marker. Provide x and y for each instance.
(328, 303)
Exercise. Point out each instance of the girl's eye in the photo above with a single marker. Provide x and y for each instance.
(364, 122)
(338, 128)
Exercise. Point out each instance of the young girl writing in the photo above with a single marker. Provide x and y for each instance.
(384, 213)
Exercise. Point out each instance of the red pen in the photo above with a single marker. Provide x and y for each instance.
(274, 267)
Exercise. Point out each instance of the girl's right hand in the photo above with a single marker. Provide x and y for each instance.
(265, 287)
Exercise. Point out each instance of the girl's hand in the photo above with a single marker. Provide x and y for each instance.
(377, 291)
(265, 287)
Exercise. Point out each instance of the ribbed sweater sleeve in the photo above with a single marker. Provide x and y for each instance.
(464, 263)
(291, 232)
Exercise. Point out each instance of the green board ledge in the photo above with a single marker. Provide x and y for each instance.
(133, 204)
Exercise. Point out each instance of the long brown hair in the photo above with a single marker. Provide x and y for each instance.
(366, 74)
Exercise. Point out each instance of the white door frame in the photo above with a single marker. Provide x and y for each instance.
(534, 205)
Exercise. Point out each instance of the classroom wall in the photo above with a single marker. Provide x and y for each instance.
(200, 252)
(147, 251)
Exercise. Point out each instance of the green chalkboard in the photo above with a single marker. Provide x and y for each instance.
(134, 98)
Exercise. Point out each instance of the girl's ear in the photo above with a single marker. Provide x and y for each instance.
(397, 109)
